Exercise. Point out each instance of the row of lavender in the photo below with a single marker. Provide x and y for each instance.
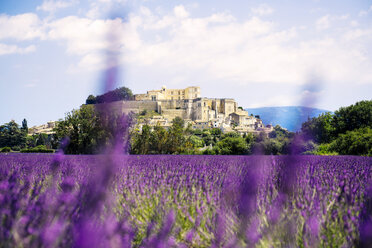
(184, 201)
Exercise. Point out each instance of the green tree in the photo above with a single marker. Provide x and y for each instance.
(232, 145)
(176, 137)
(320, 129)
(118, 94)
(42, 139)
(31, 140)
(208, 138)
(141, 141)
(196, 141)
(231, 134)
(24, 126)
(91, 100)
(198, 132)
(11, 135)
(250, 140)
(159, 140)
(85, 129)
(356, 142)
(355, 116)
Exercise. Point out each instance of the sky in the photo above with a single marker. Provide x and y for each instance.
(53, 53)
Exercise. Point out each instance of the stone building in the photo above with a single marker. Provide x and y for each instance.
(45, 128)
(189, 105)
(192, 92)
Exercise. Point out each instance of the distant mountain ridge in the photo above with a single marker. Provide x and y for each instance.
(289, 117)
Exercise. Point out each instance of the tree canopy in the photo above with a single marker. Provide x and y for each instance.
(90, 131)
(347, 131)
(118, 94)
(355, 116)
(11, 135)
(320, 129)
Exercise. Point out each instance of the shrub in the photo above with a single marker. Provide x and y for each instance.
(5, 149)
(325, 149)
(356, 142)
(16, 148)
(37, 149)
(209, 151)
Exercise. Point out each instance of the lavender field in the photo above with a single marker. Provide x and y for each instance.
(185, 201)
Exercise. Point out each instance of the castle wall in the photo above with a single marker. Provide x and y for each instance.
(169, 94)
(174, 104)
(141, 97)
(229, 106)
(170, 114)
(126, 107)
(201, 109)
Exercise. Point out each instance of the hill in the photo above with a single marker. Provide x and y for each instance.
(289, 117)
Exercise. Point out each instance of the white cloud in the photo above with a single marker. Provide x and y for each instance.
(53, 5)
(13, 49)
(262, 9)
(354, 23)
(323, 23)
(85, 35)
(94, 11)
(113, 1)
(356, 34)
(180, 11)
(246, 52)
(216, 48)
(21, 27)
(365, 12)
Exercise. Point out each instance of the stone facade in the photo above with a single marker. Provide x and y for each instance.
(188, 104)
(129, 106)
(45, 128)
(192, 92)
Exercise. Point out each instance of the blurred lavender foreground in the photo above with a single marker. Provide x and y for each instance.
(184, 201)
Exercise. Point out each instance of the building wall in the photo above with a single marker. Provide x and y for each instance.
(184, 103)
(141, 97)
(126, 107)
(229, 106)
(170, 114)
(192, 92)
(235, 118)
(200, 109)
(169, 94)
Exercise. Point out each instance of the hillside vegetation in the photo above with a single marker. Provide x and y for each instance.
(348, 131)
(119, 94)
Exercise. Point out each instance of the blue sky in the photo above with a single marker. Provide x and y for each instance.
(262, 53)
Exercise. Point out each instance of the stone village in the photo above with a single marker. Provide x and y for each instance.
(200, 112)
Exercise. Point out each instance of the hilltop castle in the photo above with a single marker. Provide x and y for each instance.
(200, 112)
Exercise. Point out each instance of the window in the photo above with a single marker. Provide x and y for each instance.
(153, 98)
